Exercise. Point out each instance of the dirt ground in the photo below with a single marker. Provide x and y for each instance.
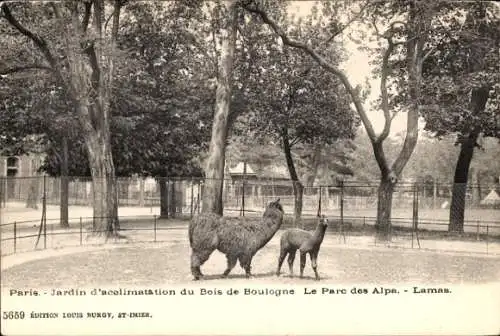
(167, 262)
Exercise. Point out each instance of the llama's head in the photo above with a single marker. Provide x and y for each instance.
(323, 221)
(274, 209)
(275, 205)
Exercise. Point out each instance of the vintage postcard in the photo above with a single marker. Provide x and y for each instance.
(249, 167)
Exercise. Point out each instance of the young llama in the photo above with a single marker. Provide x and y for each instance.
(304, 241)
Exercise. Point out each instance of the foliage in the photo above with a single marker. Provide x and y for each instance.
(296, 95)
(465, 57)
(159, 117)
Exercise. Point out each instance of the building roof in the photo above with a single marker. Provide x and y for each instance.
(275, 172)
(239, 170)
(491, 198)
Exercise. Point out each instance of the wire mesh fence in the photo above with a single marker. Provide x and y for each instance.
(31, 208)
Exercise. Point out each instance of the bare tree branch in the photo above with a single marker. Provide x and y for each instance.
(38, 40)
(383, 89)
(414, 66)
(394, 114)
(25, 68)
(321, 61)
(86, 16)
(293, 141)
(348, 23)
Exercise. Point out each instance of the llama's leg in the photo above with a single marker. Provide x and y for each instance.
(291, 258)
(231, 262)
(314, 264)
(198, 258)
(246, 264)
(280, 261)
(303, 256)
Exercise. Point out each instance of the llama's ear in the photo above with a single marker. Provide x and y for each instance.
(278, 200)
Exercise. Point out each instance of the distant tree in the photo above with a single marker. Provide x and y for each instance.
(51, 34)
(160, 120)
(462, 87)
(35, 109)
(408, 25)
(460, 84)
(225, 22)
(432, 158)
(298, 104)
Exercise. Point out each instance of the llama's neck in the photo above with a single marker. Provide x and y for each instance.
(268, 227)
(319, 233)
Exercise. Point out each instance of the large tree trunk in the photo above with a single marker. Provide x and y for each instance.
(88, 80)
(316, 160)
(214, 171)
(479, 97)
(172, 199)
(388, 180)
(141, 191)
(34, 187)
(457, 207)
(476, 187)
(384, 209)
(389, 177)
(32, 199)
(163, 198)
(94, 112)
(298, 195)
(64, 201)
(298, 189)
(105, 193)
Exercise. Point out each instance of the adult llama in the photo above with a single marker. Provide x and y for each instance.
(239, 239)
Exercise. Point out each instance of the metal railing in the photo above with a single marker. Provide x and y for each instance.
(417, 209)
(26, 236)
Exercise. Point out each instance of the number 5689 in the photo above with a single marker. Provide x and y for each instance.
(13, 315)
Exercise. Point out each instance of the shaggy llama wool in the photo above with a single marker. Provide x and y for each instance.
(239, 239)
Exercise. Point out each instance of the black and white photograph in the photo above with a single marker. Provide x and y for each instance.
(250, 167)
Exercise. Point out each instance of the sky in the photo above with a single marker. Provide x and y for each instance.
(357, 69)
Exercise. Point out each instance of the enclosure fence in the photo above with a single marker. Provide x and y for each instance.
(31, 207)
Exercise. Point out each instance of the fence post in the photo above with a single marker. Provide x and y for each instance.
(154, 227)
(342, 202)
(15, 237)
(342, 208)
(192, 196)
(167, 206)
(434, 195)
(2, 201)
(44, 209)
(413, 213)
(487, 234)
(198, 197)
(477, 230)
(319, 201)
(242, 211)
(81, 231)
